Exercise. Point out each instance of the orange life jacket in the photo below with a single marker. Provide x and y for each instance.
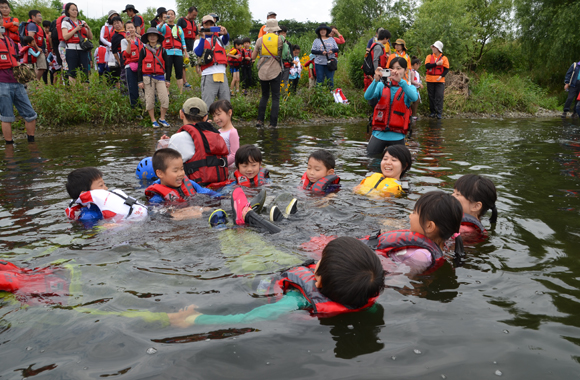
(13, 35)
(258, 180)
(172, 194)
(437, 70)
(393, 117)
(320, 186)
(219, 57)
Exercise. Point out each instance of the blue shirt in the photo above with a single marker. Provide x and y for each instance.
(157, 199)
(375, 91)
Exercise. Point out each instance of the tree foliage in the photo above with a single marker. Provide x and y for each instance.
(234, 14)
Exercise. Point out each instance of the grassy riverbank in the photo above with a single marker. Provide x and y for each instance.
(100, 105)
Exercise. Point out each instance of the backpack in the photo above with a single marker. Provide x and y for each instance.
(368, 65)
(23, 29)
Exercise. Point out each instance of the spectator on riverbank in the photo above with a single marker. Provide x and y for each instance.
(437, 67)
(572, 85)
(269, 16)
(136, 19)
(325, 49)
(337, 36)
(35, 30)
(116, 62)
(131, 47)
(161, 11)
(76, 57)
(379, 51)
(107, 30)
(13, 93)
(10, 23)
(175, 47)
(190, 31)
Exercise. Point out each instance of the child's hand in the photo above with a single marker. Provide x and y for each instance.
(167, 83)
(184, 317)
(141, 85)
(187, 213)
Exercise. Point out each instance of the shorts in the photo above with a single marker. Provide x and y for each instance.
(234, 69)
(155, 87)
(14, 95)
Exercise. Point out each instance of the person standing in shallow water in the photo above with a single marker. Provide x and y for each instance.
(437, 66)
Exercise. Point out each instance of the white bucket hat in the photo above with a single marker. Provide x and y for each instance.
(438, 45)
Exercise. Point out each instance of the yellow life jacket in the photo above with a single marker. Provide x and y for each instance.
(269, 45)
(379, 185)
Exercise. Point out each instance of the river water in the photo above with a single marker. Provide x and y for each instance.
(511, 311)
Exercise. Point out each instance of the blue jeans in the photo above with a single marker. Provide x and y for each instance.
(323, 73)
(133, 86)
(14, 94)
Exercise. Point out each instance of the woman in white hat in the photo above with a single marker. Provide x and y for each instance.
(437, 67)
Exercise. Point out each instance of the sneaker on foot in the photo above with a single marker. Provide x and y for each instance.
(257, 203)
(218, 218)
(564, 115)
(239, 203)
(292, 207)
(432, 115)
(439, 116)
(275, 214)
(259, 124)
(187, 85)
(155, 124)
(164, 123)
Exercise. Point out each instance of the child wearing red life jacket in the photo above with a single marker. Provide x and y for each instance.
(348, 278)
(235, 61)
(29, 52)
(221, 113)
(477, 195)
(246, 67)
(249, 171)
(173, 185)
(92, 200)
(102, 58)
(319, 177)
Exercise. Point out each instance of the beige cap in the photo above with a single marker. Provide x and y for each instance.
(207, 18)
(271, 26)
(195, 107)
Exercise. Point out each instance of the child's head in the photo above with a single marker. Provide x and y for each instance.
(349, 272)
(168, 166)
(84, 179)
(238, 43)
(248, 160)
(46, 26)
(320, 164)
(476, 194)
(283, 30)
(396, 161)
(221, 112)
(295, 50)
(27, 40)
(436, 215)
(415, 63)
(247, 42)
(194, 110)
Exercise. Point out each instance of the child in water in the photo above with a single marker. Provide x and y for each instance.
(92, 200)
(249, 171)
(349, 277)
(221, 112)
(396, 162)
(477, 195)
(319, 176)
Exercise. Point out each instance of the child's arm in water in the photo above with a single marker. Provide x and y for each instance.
(291, 301)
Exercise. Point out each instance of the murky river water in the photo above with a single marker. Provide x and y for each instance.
(512, 310)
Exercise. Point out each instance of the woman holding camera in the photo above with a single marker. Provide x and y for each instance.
(72, 27)
(391, 116)
(174, 45)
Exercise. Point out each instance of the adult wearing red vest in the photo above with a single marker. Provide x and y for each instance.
(9, 23)
(174, 45)
(131, 47)
(214, 81)
(14, 93)
(34, 30)
(107, 32)
(76, 57)
(190, 31)
(136, 19)
(437, 67)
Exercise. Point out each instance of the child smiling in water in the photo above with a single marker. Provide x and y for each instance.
(221, 112)
(396, 162)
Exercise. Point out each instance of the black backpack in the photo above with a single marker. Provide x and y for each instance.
(22, 29)
(368, 65)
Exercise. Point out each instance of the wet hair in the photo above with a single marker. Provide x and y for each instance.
(222, 105)
(401, 153)
(115, 19)
(80, 180)
(247, 152)
(237, 42)
(415, 60)
(383, 34)
(246, 39)
(476, 188)
(283, 29)
(191, 9)
(351, 272)
(26, 40)
(67, 8)
(46, 24)
(325, 157)
(445, 211)
(33, 13)
(162, 156)
(400, 60)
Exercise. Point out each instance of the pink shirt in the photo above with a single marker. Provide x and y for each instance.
(232, 140)
(418, 259)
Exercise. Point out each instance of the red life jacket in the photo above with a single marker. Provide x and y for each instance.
(14, 36)
(109, 32)
(101, 53)
(39, 35)
(59, 27)
(393, 241)
(209, 164)
(382, 59)
(471, 230)
(235, 62)
(135, 49)
(39, 281)
(152, 65)
(246, 53)
(219, 56)
(393, 116)
(321, 185)
(171, 42)
(172, 194)
(258, 180)
(26, 57)
(75, 37)
(302, 278)
(437, 70)
(7, 54)
(142, 22)
(190, 32)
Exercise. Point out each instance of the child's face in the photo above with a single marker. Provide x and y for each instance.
(296, 52)
(469, 207)
(318, 279)
(415, 223)
(249, 169)
(416, 66)
(247, 45)
(316, 170)
(222, 118)
(391, 167)
(99, 184)
(173, 175)
(237, 47)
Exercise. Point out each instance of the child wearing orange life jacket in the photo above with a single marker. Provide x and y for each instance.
(435, 218)
(151, 75)
(235, 61)
(102, 58)
(477, 195)
(249, 171)
(320, 177)
(29, 52)
(348, 278)
(221, 112)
